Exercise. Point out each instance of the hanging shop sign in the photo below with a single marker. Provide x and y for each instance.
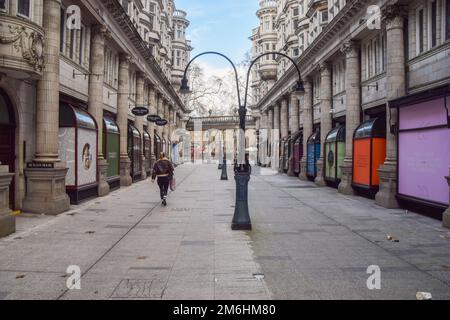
(162, 122)
(153, 118)
(139, 111)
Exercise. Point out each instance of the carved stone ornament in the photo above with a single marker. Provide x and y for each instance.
(29, 43)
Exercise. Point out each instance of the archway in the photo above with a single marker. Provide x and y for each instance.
(7, 139)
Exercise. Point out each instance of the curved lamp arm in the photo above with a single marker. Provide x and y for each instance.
(266, 54)
(224, 56)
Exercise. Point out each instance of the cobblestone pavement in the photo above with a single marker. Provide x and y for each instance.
(308, 242)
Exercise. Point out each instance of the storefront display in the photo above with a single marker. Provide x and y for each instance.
(158, 145)
(424, 147)
(334, 154)
(147, 151)
(297, 152)
(111, 151)
(78, 149)
(134, 152)
(313, 154)
(369, 153)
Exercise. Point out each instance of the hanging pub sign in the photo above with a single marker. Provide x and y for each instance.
(161, 122)
(139, 111)
(153, 118)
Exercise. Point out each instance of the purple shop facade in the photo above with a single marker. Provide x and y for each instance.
(424, 148)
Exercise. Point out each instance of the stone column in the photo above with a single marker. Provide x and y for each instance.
(95, 104)
(307, 125)
(293, 126)
(7, 220)
(352, 114)
(160, 112)
(264, 138)
(284, 118)
(326, 118)
(270, 136)
(276, 137)
(122, 120)
(395, 87)
(139, 122)
(151, 125)
(46, 177)
(284, 128)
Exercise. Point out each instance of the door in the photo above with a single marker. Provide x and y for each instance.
(7, 140)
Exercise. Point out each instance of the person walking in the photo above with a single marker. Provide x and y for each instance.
(163, 170)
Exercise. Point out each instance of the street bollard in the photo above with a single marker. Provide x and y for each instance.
(224, 175)
(241, 218)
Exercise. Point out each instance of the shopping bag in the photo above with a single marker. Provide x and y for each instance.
(173, 184)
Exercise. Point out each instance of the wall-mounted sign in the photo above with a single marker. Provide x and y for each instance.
(153, 118)
(40, 165)
(161, 122)
(139, 111)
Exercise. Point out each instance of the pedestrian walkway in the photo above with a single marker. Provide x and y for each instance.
(306, 243)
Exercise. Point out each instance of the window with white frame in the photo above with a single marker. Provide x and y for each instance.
(316, 89)
(339, 76)
(446, 23)
(420, 29)
(433, 18)
(375, 56)
(24, 8)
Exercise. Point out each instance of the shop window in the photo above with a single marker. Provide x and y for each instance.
(24, 8)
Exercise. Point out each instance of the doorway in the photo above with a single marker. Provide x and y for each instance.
(7, 140)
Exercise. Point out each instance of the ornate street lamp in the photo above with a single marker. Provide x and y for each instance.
(242, 168)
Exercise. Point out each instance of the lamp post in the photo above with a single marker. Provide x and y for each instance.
(242, 168)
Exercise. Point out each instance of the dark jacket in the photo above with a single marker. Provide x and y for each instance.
(162, 168)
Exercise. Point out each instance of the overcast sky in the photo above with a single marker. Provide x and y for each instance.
(223, 26)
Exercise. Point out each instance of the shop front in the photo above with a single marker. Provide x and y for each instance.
(111, 151)
(158, 145)
(284, 154)
(147, 151)
(369, 153)
(313, 154)
(134, 152)
(334, 155)
(78, 149)
(297, 152)
(8, 141)
(424, 148)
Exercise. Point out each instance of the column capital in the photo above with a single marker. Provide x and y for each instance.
(394, 15)
(140, 75)
(125, 58)
(351, 48)
(324, 68)
(101, 30)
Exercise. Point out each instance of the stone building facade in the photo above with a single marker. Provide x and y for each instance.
(70, 74)
(363, 63)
